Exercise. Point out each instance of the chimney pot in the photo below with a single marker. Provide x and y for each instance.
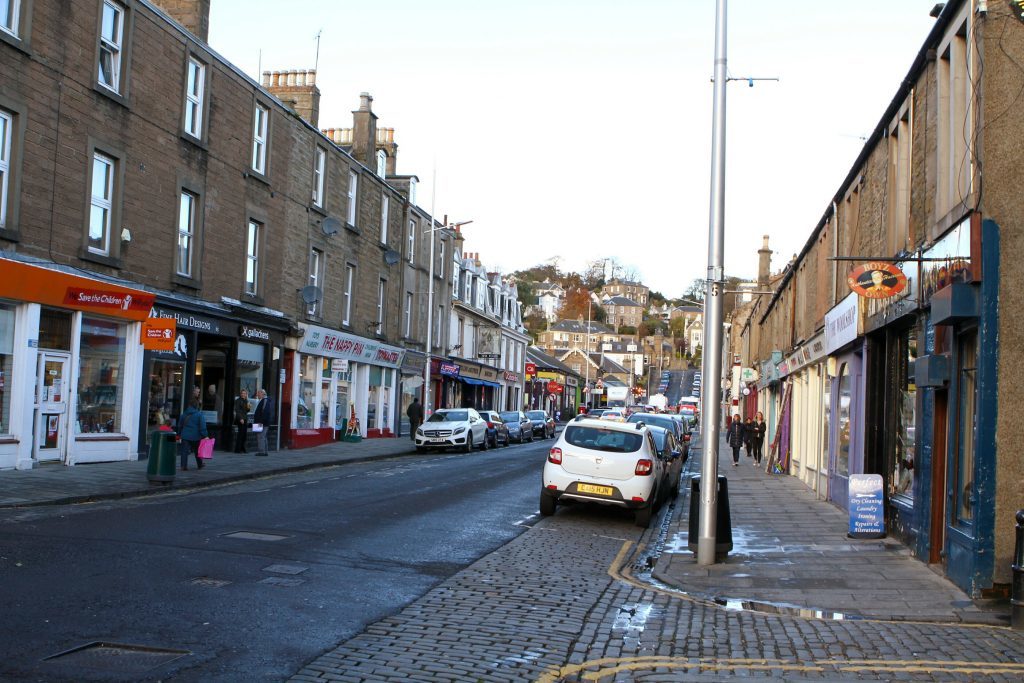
(365, 100)
(266, 79)
(311, 77)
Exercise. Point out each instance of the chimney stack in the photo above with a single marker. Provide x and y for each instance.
(364, 134)
(194, 15)
(296, 89)
(764, 267)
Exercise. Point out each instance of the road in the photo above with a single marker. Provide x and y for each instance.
(255, 579)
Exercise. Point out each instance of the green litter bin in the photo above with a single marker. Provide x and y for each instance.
(163, 457)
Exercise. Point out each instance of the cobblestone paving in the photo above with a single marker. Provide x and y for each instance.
(560, 603)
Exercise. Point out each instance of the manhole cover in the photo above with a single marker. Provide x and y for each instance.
(281, 581)
(117, 657)
(285, 569)
(255, 536)
(209, 582)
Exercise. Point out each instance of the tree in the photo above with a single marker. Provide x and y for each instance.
(677, 326)
(575, 304)
(626, 329)
(593, 276)
(695, 292)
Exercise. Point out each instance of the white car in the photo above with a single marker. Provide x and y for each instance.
(452, 428)
(611, 463)
(614, 414)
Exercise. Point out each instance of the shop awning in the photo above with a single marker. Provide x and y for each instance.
(481, 382)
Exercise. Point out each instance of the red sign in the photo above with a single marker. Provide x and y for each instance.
(531, 369)
(555, 388)
(158, 334)
(877, 280)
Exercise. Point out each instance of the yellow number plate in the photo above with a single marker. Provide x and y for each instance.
(590, 488)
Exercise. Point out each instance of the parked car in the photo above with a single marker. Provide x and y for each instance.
(671, 453)
(614, 414)
(520, 427)
(687, 428)
(452, 428)
(610, 463)
(497, 431)
(543, 424)
(595, 412)
(664, 421)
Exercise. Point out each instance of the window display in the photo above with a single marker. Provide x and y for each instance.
(101, 376)
(906, 417)
(250, 367)
(166, 384)
(6, 365)
(309, 377)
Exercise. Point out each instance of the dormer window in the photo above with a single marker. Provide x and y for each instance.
(382, 163)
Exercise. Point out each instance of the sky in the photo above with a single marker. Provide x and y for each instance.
(579, 130)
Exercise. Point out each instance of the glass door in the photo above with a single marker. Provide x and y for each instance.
(51, 407)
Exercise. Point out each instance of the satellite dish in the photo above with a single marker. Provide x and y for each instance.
(391, 257)
(330, 226)
(311, 294)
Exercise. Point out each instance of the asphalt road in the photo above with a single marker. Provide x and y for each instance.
(322, 555)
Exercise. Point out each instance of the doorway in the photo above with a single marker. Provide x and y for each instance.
(51, 407)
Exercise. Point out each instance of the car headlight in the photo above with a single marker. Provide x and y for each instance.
(419, 431)
(459, 430)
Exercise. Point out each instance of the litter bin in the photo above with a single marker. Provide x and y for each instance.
(723, 525)
(163, 457)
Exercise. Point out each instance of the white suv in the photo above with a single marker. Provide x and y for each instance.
(452, 428)
(611, 463)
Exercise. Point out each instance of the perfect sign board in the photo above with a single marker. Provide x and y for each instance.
(867, 512)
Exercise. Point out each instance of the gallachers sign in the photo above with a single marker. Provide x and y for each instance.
(877, 280)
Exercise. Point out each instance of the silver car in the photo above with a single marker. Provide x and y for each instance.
(520, 427)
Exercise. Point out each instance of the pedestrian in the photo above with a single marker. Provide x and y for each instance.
(241, 417)
(758, 440)
(415, 413)
(748, 435)
(261, 420)
(734, 437)
(193, 429)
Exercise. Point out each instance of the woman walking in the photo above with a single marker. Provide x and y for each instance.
(748, 434)
(734, 437)
(193, 428)
(757, 439)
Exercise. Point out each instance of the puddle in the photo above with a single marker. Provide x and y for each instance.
(632, 620)
(772, 608)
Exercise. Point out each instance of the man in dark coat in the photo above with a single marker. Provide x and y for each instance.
(241, 420)
(263, 416)
(415, 413)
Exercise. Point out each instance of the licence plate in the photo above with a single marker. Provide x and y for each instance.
(590, 488)
(436, 440)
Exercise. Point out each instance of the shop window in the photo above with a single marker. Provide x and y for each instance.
(325, 394)
(166, 384)
(843, 442)
(55, 329)
(906, 416)
(101, 376)
(966, 426)
(250, 368)
(6, 365)
(309, 376)
(826, 420)
(211, 373)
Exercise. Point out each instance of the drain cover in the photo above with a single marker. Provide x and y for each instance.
(117, 657)
(255, 536)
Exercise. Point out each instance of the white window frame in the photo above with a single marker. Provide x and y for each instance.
(319, 175)
(104, 203)
(440, 264)
(382, 163)
(350, 278)
(252, 257)
(412, 241)
(353, 193)
(6, 133)
(412, 191)
(385, 208)
(407, 332)
(11, 26)
(112, 45)
(194, 97)
(260, 126)
(437, 326)
(187, 204)
(316, 272)
(382, 285)
(455, 280)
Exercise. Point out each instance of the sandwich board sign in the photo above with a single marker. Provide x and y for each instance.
(867, 511)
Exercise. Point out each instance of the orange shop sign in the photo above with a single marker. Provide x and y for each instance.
(159, 334)
(54, 288)
(877, 280)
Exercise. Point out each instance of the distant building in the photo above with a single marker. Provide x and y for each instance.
(631, 290)
(571, 334)
(620, 310)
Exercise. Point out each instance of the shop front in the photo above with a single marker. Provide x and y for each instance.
(806, 375)
(511, 390)
(845, 346)
(338, 383)
(480, 386)
(414, 364)
(70, 358)
(217, 353)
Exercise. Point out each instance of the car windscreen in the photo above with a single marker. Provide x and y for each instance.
(509, 417)
(609, 440)
(536, 414)
(659, 420)
(449, 416)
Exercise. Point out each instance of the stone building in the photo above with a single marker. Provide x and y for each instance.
(636, 291)
(140, 167)
(890, 343)
(621, 311)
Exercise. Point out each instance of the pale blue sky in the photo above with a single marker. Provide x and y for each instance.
(581, 129)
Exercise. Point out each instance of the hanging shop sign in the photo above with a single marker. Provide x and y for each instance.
(842, 323)
(748, 375)
(867, 514)
(531, 368)
(159, 334)
(877, 280)
(488, 342)
(324, 342)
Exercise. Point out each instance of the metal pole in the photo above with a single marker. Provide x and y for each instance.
(586, 353)
(712, 362)
(430, 298)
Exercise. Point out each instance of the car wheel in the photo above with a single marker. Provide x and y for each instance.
(508, 442)
(522, 439)
(643, 516)
(468, 448)
(485, 443)
(547, 504)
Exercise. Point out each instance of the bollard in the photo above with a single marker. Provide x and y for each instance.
(1017, 591)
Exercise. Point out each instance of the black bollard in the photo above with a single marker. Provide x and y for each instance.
(1017, 592)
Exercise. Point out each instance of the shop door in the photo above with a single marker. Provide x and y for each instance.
(844, 439)
(51, 407)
